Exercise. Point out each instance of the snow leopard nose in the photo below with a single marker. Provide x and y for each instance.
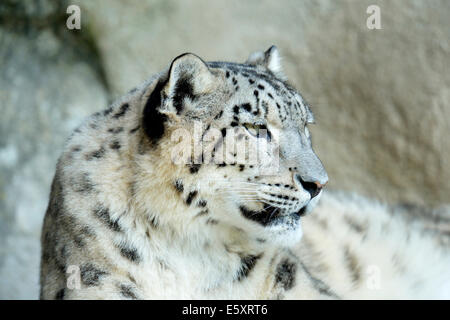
(313, 187)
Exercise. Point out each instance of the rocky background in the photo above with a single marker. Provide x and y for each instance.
(381, 97)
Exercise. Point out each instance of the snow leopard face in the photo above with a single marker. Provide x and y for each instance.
(238, 140)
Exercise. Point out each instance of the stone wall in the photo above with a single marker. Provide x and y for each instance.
(49, 81)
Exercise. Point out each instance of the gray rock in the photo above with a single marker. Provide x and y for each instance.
(48, 84)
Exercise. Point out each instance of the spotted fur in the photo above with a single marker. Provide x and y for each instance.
(124, 221)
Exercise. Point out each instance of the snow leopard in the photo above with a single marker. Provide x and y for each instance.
(202, 183)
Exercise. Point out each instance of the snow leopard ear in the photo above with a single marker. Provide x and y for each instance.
(188, 77)
(270, 59)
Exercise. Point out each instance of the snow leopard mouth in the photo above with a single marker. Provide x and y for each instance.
(302, 211)
(271, 215)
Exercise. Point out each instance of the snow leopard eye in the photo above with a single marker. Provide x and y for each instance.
(258, 130)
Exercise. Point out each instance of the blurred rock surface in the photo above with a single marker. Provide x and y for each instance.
(49, 82)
